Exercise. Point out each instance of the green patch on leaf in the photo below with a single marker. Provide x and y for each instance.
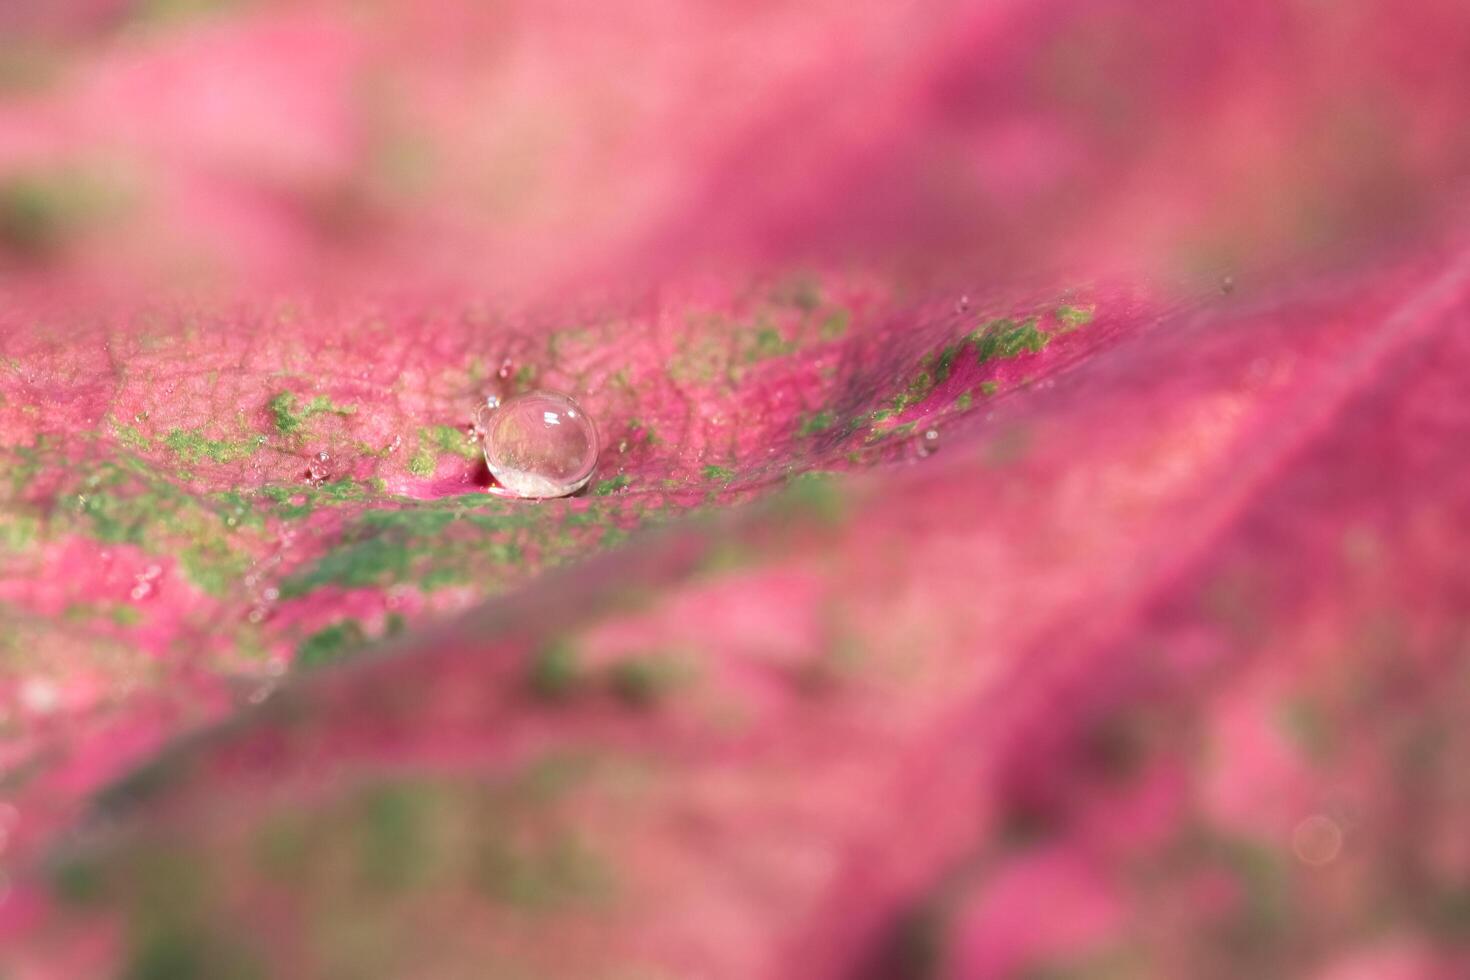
(1073, 317)
(448, 440)
(816, 422)
(642, 681)
(1005, 338)
(393, 836)
(41, 210)
(330, 645)
(944, 363)
(133, 438)
(290, 418)
(603, 488)
(423, 462)
(834, 325)
(720, 473)
(766, 343)
(555, 671)
(192, 447)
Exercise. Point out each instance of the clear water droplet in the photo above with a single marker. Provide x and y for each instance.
(540, 444)
(1317, 840)
(505, 367)
(1227, 285)
(319, 471)
(929, 442)
(962, 305)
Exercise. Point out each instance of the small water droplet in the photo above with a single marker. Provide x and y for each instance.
(540, 444)
(505, 367)
(962, 304)
(1317, 840)
(1227, 285)
(392, 447)
(929, 442)
(319, 471)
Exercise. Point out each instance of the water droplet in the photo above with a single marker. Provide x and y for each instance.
(1227, 285)
(962, 305)
(392, 447)
(929, 442)
(504, 371)
(1317, 840)
(540, 444)
(319, 471)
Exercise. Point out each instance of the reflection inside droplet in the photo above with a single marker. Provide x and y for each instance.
(540, 444)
